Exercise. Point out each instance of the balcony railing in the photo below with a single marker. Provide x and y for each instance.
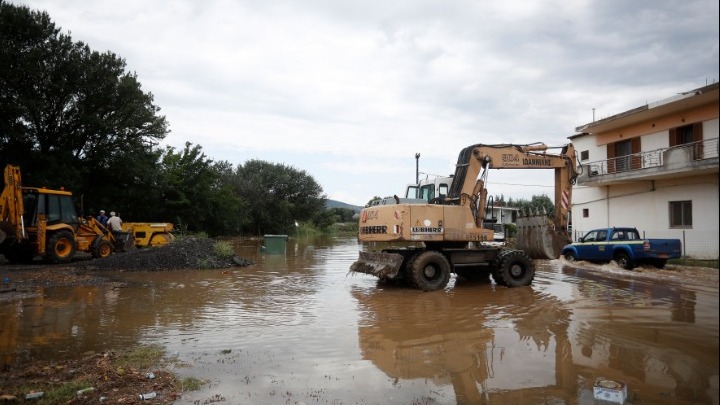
(665, 157)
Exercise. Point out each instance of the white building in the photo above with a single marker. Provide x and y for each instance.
(654, 167)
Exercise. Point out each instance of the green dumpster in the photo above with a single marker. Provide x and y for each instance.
(275, 244)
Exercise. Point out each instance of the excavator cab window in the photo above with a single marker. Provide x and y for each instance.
(427, 192)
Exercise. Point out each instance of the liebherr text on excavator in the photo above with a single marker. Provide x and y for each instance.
(449, 233)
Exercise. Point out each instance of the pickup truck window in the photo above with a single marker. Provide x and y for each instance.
(619, 235)
(595, 236)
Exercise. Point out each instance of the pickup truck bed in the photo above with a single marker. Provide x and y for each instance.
(624, 246)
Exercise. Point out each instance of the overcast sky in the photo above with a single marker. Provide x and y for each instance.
(350, 91)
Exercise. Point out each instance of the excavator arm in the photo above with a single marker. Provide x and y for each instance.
(539, 236)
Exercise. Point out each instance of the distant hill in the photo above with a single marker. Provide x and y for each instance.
(338, 204)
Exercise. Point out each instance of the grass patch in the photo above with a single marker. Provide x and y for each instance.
(713, 264)
(116, 377)
(141, 358)
(191, 384)
(224, 249)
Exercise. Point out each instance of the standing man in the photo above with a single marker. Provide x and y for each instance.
(114, 222)
(102, 218)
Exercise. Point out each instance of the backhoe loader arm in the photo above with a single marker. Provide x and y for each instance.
(11, 205)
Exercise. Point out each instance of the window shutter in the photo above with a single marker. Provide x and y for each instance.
(636, 158)
(611, 158)
(674, 137)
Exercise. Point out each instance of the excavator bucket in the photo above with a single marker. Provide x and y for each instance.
(383, 265)
(538, 237)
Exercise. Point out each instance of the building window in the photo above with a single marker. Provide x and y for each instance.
(585, 155)
(690, 135)
(624, 155)
(680, 214)
(586, 212)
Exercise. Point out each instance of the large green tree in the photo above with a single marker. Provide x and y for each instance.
(199, 193)
(277, 195)
(71, 116)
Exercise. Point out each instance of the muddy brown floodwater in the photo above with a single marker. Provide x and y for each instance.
(295, 328)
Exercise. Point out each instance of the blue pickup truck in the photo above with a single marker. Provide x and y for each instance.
(624, 246)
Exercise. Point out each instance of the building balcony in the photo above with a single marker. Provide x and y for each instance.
(677, 161)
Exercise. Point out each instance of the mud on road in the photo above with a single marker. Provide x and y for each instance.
(109, 374)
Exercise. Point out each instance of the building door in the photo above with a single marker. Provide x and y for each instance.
(623, 150)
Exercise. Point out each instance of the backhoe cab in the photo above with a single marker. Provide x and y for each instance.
(450, 233)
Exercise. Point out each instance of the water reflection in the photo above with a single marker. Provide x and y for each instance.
(297, 325)
(482, 340)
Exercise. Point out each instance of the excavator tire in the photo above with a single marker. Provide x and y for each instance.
(60, 247)
(103, 249)
(430, 271)
(514, 269)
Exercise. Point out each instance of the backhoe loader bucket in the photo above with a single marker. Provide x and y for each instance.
(538, 237)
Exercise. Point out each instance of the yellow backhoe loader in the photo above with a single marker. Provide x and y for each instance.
(450, 233)
(36, 221)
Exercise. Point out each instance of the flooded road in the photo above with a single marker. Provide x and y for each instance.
(296, 328)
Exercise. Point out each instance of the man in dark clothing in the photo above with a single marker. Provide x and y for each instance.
(102, 218)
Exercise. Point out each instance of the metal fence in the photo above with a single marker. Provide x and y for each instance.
(705, 149)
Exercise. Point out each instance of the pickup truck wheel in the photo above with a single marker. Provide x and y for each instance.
(660, 263)
(570, 257)
(514, 269)
(430, 271)
(60, 247)
(623, 260)
(103, 249)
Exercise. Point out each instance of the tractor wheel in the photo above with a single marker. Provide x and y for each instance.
(60, 247)
(514, 269)
(103, 249)
(623, 260)
(160, 239)
(430, 271)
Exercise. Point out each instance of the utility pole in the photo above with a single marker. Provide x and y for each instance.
(417, 168)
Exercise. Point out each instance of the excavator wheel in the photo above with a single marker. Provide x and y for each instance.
(103, 249)
(514, 269)
(60, 247)
(430, 271)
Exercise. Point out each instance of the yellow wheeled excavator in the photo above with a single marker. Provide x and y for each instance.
(449, 234)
